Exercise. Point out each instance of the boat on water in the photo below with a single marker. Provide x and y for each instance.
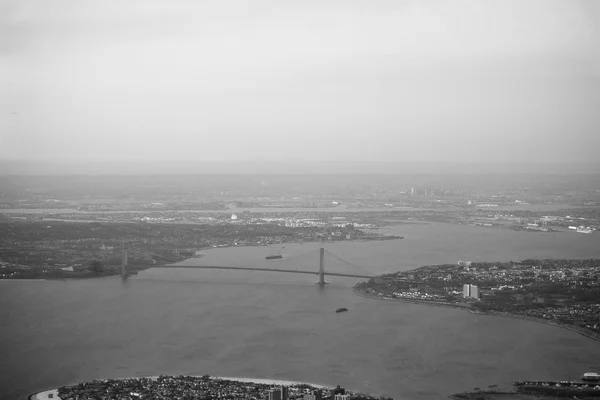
(342, 309)
(591, 377)
(275, 256)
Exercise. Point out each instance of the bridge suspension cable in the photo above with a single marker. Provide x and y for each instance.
(341, 260)
(304, 262)
(307, 263)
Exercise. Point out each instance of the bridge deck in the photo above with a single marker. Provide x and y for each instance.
(292, 271)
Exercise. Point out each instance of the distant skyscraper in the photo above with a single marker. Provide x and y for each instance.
(337, 391)
(315, 395)
(470, 291)
(274, 394)
(466, 290)
(281, 393)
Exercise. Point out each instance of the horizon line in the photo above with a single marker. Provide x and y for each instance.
(292, 167)
(294, 161)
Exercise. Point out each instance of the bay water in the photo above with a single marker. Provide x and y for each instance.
(283, 326)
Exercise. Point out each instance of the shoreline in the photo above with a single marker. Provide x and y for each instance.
(475, 395)
(580, 331)
(26, 280)
(52, 394)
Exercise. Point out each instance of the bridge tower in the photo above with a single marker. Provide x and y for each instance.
(124, 271)
(322, 266)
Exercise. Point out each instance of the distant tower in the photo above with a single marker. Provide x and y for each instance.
(124, 272)
(285, 393)
(338, 391)
(282, 393)
(466, 291)
(321, 266)
(470, 291)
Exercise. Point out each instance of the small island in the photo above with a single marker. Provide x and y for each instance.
(200, 387)
(564, 293)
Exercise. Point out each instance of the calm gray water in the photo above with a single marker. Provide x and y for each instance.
(273, 325)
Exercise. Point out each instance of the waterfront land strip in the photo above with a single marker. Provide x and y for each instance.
(563, 293)
(198, 387)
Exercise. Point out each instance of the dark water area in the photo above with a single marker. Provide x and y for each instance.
(75, 331)
(282, 326)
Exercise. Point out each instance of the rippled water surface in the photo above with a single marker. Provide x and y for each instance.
(279, 325)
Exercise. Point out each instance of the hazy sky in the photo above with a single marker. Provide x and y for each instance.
(398, 80)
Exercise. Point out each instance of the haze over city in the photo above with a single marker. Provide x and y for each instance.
(300, 200)
(279, 80)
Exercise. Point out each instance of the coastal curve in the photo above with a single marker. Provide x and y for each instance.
(52, 394)
(430, 303)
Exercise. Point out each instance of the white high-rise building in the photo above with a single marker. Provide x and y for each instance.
(470, 291)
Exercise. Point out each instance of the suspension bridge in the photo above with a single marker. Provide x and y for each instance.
(319, 262)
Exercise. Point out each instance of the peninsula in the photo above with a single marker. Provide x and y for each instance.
(565, 293)
(199, 387)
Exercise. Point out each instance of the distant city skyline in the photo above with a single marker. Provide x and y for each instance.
(146, 81)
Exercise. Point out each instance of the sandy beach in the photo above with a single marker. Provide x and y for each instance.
(269, 381)
(53, 393)
(45, 395)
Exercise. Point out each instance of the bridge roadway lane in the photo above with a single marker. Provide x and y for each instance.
(292, 271)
